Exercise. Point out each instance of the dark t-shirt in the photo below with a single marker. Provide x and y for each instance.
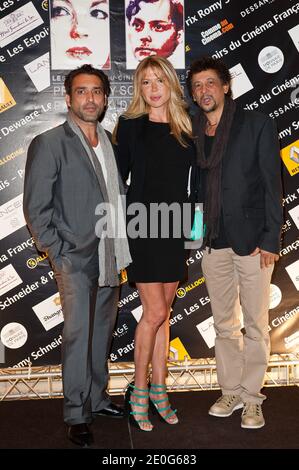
(221, 240)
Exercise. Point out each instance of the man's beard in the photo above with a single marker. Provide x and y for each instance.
(87, 117)
(210, 107)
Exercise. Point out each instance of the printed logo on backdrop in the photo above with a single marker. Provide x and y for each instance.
(240, 83)
(6, 99)
(275, 296)
(9, 279)
(120, 331)
(19, 22)
(137, 312)
(294, 213)
(129, 298)
(290, 157)
(49, 312)
(270, 59)
(182, 291)
(11, 216)
(13, 335)
(288, 316)
(293, 272)
(32, 263)
(255, 6)
(45, 5)
(202, 13)
(215, 31)
(294, 33)
(293, 246)
(123, 277)
(39, 71)
(11, 156)
(177, 351)
(207, 331)
(292, 341)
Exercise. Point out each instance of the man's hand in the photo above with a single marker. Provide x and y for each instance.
(267, 258)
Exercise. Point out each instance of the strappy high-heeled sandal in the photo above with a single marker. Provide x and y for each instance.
(155, 403)
(134, 415)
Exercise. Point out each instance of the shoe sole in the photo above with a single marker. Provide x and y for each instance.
(218, 415)
(94, 415)
(247, 426)
(82, 444)
(154, 409)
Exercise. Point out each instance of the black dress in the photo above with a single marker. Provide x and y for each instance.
(167, 166)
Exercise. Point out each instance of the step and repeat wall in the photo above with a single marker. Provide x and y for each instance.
(39, 42)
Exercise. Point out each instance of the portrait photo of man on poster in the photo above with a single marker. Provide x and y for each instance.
(80, 34)
(155, 27)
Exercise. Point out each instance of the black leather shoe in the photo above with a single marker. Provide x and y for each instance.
(112, 410)
(80, 434)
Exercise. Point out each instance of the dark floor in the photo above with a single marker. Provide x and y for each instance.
(37, 424)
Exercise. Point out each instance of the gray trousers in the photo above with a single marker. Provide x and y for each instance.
(241, 360)
(89, 318)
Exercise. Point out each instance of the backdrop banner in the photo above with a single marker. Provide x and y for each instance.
(40, 41)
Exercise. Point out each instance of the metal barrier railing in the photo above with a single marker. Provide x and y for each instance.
(188, 375)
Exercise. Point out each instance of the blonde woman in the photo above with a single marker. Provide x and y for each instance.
(154, 146)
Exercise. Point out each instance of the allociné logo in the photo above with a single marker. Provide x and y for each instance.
(6, 99)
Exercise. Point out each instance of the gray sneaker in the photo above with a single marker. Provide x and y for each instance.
(252, 416)
(226, 405)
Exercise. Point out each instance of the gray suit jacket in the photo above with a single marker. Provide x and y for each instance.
(61, 192)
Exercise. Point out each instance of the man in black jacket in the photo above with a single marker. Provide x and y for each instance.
(238, 156)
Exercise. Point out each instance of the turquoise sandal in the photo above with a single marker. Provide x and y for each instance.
(133, 415)
(155, 403)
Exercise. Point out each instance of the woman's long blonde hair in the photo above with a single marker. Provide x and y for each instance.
(178, 117)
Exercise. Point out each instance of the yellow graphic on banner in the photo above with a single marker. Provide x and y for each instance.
(177, 351)
(123, 276)
(57, 301)
(6, 99)
(290, 157)
(182, 291)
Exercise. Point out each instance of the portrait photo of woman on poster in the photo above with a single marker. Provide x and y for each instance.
(80, 34)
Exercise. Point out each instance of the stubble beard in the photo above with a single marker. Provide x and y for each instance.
(87, 117)
(210, 108)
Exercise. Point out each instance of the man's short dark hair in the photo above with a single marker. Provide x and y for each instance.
(176, 11)
(89, 70)
(207, 63)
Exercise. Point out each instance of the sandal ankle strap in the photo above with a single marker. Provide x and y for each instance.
(156, 392)
(158, 386)
(138, 389)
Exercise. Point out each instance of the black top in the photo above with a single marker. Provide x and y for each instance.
(165, 180)
(221, 240)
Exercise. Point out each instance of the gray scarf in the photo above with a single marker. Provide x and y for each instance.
(114, 254)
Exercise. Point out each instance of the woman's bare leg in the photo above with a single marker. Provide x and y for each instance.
(161, 350)
(155, 313)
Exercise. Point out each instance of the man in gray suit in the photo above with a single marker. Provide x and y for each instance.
(70, 172)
